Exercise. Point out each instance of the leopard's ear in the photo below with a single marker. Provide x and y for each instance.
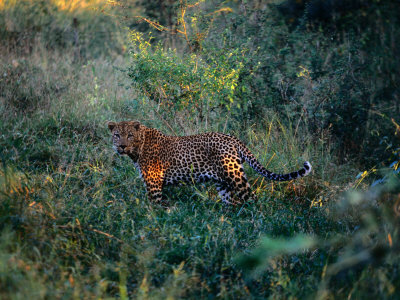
(135, 124)
(111, 125)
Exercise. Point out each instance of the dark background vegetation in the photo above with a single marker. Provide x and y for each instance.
(295, 80)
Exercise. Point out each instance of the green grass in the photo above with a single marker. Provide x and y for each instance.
(75, 221)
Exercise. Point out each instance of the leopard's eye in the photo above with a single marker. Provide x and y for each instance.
(116, 135)
(130, 135)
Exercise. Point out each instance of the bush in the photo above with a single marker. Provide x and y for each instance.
(186, 88)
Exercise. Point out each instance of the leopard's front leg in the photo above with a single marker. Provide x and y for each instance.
(154, 190)
(154, 179)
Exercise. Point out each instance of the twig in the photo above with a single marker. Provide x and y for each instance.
(94, 230)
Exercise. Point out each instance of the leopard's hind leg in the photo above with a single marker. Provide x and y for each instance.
(234, 180)
(225, 192)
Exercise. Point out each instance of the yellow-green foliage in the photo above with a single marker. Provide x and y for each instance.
(199, 89)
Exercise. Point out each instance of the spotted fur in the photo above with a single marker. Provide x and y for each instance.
(164, 160)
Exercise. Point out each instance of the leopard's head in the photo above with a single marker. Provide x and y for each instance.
(127, 137)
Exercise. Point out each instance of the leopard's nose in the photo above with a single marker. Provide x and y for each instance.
(122, 147)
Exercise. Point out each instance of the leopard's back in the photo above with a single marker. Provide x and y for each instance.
(197, 157)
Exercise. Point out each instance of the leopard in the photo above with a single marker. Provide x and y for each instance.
(164, 160)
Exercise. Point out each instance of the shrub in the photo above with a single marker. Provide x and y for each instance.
(186, 87)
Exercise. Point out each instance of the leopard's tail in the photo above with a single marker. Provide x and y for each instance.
(253, 162)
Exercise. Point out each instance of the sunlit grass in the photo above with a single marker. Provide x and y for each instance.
(67, 5)
(74, 5)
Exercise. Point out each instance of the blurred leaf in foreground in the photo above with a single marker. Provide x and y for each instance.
(260, 258)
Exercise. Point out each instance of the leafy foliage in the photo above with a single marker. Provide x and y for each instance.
(197, 89)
